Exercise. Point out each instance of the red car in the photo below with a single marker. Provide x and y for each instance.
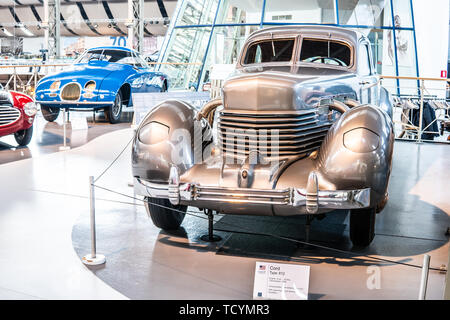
(17, 112)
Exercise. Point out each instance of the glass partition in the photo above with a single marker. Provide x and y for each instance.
(197, 12)
(225, 47)
(305, 11)
(363, 12)
(184, 58)
(402, 14)
(240, 12)
(212, 32)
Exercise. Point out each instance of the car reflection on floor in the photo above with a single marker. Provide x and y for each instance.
(49, 136)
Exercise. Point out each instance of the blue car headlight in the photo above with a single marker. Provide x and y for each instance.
(361, 140)
(89, 89)
(55, 86)
(153, 133)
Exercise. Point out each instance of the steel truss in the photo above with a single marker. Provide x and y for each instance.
(52, 27)
(136, 24)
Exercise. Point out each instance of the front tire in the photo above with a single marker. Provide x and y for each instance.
(159, 210)
(114, 112)
(23, 137)
(362, 226)
(49, 113)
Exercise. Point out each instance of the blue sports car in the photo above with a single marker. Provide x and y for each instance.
(101, 78)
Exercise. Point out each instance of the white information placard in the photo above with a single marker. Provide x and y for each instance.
(281, 281)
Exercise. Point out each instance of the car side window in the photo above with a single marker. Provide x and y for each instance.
(364, 60)
(93, 55)
(140, 62)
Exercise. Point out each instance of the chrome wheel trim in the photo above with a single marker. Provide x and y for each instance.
(117, 106)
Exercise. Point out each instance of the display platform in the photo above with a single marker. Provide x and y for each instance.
(45, 231)
(144, 262)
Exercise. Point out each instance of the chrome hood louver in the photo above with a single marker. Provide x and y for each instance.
(8, 115)
(271, 133)
(260, 113)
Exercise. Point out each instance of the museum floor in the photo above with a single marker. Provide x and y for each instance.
(49, 136)
(44, 230)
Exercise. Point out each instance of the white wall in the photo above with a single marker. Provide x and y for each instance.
(432, 28)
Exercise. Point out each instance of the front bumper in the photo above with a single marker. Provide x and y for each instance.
(76, 104)
(203, 196)
(24, 122)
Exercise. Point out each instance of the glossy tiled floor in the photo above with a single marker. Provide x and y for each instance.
(44, 230)
(49, 136)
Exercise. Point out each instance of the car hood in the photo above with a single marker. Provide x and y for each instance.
(279, 87)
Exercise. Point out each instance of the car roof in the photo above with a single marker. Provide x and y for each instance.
(112, 48)
(319, 30)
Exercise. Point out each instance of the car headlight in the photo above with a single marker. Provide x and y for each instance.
(153, 132)
(89, 89)
(361, 140)
(30, 109)
(90, 86)
(55, 85)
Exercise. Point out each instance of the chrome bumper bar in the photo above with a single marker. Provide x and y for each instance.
(295, 197)
(76, 102)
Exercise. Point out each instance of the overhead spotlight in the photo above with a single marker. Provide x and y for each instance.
(109, 25)
(8, 34)
(95, 26)
(38, 26)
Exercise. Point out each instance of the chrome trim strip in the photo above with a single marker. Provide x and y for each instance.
(150, 189)
(295, 197)
(75, 102)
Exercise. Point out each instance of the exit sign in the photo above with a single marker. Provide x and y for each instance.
(443, 73)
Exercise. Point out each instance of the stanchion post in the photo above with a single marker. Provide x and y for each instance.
(93, 258)
(64, 146)
(422, 87)
(424, 278)
(447, 280)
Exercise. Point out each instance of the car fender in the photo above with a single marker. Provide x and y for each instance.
(341, 168)
(153, 161)
(137, 82)
(110, 86)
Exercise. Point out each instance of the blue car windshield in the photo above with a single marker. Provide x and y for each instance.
(111, 55)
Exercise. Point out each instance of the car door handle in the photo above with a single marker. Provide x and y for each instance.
(364, 82)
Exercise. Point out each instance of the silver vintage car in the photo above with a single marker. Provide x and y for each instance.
(303, 128)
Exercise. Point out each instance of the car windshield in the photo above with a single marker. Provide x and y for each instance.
(112, 55)
(270, 51)
(325, 52)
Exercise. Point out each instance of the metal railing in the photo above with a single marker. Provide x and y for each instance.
(24, 77)
(423, 90)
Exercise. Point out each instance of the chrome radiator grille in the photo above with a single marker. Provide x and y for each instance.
(8, 115)
(273, 134)
(71, 92)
